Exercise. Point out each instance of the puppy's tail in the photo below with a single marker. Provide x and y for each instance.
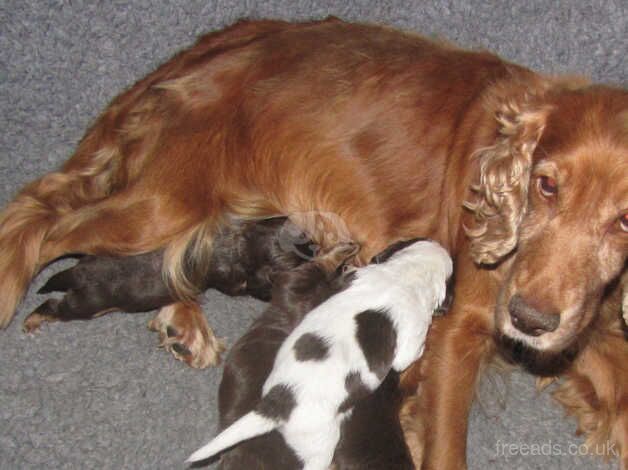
(250, 425)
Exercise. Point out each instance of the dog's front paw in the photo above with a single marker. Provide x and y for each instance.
(184, 331)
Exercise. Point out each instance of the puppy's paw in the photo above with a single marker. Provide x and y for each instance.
(335, 256)
(45, 313)
(184, 332)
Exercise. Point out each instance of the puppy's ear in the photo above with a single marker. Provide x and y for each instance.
(499, 196)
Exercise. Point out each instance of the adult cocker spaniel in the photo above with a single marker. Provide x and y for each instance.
(522, 177)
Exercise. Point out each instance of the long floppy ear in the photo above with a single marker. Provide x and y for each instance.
(499, 199)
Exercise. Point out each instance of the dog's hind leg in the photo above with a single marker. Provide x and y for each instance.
(127, 224)
(123, 224)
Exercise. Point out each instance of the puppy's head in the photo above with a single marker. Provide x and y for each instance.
(301, 289)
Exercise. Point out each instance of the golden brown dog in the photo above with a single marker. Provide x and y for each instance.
(524, 178)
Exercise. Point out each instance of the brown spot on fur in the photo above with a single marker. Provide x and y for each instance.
(356, 389)
(311, 347)
(377, 337)
(278, 403)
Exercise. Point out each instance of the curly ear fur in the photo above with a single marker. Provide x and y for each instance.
(499, 199)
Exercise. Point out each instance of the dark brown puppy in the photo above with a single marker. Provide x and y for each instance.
(371, 438)
(245, 258)
(248, 258)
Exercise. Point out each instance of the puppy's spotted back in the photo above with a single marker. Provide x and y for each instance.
(342, 351)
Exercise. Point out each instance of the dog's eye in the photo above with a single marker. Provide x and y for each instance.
(623, 222)
(548, 186)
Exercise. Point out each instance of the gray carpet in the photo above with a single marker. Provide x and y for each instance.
(100, 394)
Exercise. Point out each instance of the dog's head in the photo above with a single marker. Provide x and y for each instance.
(551, 210)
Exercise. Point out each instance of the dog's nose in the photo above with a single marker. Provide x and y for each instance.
(529, 320)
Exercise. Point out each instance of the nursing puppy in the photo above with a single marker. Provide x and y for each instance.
(342, 351)
(250, 360)
(371, 438)
(246, 257)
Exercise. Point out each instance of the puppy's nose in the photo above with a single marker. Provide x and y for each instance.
(529, 320)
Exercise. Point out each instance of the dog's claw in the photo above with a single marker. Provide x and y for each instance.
(181, 349)
(184, 332)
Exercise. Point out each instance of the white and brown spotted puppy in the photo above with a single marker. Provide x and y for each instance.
(342, 351)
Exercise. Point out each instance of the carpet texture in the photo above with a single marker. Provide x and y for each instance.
(100, 394)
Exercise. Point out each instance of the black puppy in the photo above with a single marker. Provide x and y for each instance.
(371, 438)
(248, 258)
(245, 258)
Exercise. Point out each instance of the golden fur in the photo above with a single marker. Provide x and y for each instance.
(394, 135)
(594, 388)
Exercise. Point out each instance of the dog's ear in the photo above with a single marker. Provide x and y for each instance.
(499, 197)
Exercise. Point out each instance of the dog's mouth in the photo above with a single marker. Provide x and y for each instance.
(543, 344)
(535, 361)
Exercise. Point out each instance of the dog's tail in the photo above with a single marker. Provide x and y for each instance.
(98, 168)
(87, 177)
(248, 426)
(110, 156)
